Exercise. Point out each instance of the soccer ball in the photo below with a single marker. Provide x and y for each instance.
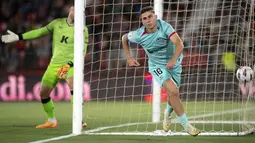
(244, 74)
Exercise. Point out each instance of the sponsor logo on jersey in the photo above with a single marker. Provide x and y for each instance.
(64, 39)
(153, 50)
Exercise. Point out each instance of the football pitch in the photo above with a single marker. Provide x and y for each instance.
(18, 121)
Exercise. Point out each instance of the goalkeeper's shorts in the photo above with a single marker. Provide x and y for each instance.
(50, 77)
(161, 74)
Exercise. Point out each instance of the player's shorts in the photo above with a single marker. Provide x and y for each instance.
(161, 74)
(50, 77)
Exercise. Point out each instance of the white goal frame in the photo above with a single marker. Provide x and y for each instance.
(78, 82)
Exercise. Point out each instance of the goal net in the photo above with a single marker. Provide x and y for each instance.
(218, 36)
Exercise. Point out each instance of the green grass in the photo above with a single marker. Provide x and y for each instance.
(18, 121)
(149, 139)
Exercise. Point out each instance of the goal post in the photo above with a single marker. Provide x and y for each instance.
(79, 8)
(123, 100)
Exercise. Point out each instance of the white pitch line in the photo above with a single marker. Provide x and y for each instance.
(54, 139)
(173, 120)
(220, 122)
(129, 124)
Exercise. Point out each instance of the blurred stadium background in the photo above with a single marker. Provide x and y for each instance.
(210, 29)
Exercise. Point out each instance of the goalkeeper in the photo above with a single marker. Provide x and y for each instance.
(61, 64)
(164, 49)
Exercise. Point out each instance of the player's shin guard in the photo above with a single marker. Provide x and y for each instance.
(48, 106)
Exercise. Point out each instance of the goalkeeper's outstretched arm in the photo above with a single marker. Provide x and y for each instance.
(13, 37)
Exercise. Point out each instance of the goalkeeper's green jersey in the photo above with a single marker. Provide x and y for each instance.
(63, 39)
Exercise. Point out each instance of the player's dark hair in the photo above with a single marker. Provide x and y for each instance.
(145, 9)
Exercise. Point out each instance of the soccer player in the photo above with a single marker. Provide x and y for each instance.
(61, 64)
(164, 49)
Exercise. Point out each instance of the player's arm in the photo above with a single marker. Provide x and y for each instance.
(34, 34)
(86, 40)
(13, 37)
(125, 46)
(131, 61)
(176, 40)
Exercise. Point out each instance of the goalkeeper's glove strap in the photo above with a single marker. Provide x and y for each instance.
(70, 63)
(20, 36)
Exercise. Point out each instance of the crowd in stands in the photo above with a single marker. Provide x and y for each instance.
(106, 20)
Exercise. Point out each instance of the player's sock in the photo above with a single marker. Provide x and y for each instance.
(49, 109)
(169, 108)
(52, 120)
(184, 120)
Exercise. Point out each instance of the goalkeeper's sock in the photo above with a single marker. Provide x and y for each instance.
(183, 120)
(169, 108)
(48, 106)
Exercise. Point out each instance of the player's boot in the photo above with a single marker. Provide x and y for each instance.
(84, 125)
(192, 130)
(166, 121)
(47, 125)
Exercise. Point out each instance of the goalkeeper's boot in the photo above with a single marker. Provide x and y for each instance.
(84, 125)
(47, 125)
(192, 130)
(166, 121)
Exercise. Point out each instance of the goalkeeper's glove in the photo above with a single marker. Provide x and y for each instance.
(11, 37)
(62, 71)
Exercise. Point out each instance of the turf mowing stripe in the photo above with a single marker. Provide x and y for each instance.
(129, 124)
